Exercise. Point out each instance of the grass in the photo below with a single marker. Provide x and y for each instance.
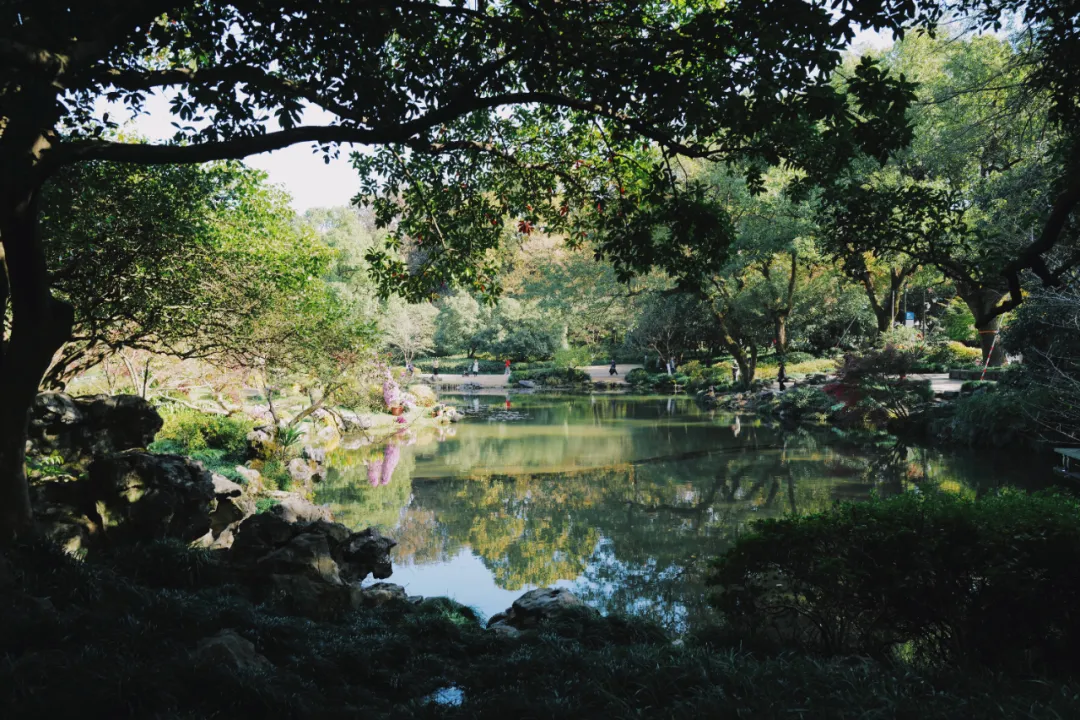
(215, 460)
(118, 635)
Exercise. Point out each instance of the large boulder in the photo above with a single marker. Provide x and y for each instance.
(536, 606)
(140, 496)
(313, 567)
(294, 508)
(231, 650)
(83, 428)
(355, 555)
(306, 554)
(234, 505)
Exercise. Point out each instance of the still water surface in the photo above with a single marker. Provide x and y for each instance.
(623, 500)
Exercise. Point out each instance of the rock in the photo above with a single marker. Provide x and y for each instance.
(526, 383)
(816, 379)
(301, 470)
(508, 631)
(307, 555)
(83, 428)
(293, 508)
(379, 594)
(536, 606)
(308, 596)
(229, 513)
(328, 436)
(224, 487)
(63, 514)
(260, 444)
(309, 565)
(354, 421)
(230, 649)
(251, 476)
(365, 552)
(260, 535)
(314, 454)
(140, 496)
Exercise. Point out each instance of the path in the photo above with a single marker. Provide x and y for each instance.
(939, 382)
(598, 373)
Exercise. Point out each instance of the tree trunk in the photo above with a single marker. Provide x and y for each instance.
(983, 303)
(40, 325)
(991, 350)
(747, 363)
(781, 348)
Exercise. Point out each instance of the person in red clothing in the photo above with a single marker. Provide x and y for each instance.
(507, 367)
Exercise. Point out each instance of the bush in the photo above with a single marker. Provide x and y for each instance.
(995, 417)
(423, 394)
(485, 367)
(904, 338)
(572, 357)
(874, 388)
(807, 403)
(639, 378)
(953, 354)
(192, 431)
(948, 580)
(553, 377)
(124, 647)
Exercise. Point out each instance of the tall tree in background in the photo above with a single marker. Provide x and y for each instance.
(975, 189)
(476, 113)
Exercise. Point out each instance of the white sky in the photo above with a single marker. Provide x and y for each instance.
(308, 180)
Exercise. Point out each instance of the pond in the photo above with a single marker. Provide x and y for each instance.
(624, 500)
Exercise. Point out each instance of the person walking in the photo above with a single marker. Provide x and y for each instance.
(507, 367)
(475, 367)
(734, 371)
(612, 370)
(435, 368)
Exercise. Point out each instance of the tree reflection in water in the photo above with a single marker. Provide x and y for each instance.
(627, 499)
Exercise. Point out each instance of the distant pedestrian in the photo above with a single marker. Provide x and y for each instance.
(612, 370)
(409, 368)
(475, 367)
(507, 367)
(435, 368)
(734, 371)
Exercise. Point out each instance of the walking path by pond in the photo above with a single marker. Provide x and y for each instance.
(623, 499)
(598, 373)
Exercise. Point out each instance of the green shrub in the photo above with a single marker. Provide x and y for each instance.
(572, 357)
(263, 504)
(193, 430)
(552, 377)
(639, 378)
(124, 648)
(275, 471)
(953, 354)
(874, 386)
(998, 416)
(807, 402)
(950, 580)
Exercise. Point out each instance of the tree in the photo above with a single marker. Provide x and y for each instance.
(970, 193)
(457, 325)
(668, 324)
(410, 329)
(444, 92)
(177, 259)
